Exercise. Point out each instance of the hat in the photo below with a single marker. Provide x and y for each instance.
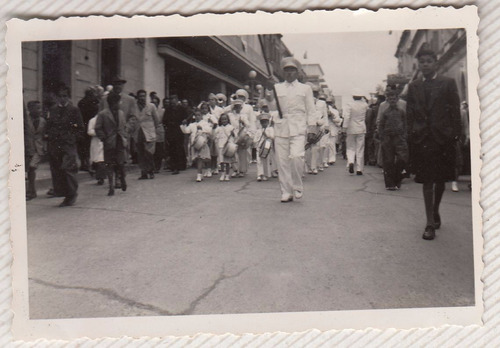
(329, 99)
(221, 96)
(265, 116)
(322, 96)
(117, 79)
(243, 93)
(263, 102)
(356, 92)
(290, 62)
(236, 102)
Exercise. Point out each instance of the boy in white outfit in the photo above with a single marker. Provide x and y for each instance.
(263, 140)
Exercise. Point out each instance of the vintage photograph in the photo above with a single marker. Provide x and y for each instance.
(276, 172)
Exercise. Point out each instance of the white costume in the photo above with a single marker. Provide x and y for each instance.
(96, 146)
(354, 123)
(334, 122)
(317, 149)
(193, 131)
(263, 164)
(299, 112)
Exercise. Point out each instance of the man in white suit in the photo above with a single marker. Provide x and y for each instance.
(355, 128)
(298, 120)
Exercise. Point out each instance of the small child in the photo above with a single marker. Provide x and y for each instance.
(392, 133)
(263, 139)
(213, 120)
(96, 153)
(225, 135)
(198, 128)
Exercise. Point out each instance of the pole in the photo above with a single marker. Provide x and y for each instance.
(269, 73)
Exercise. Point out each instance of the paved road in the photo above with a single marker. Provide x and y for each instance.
(170, 246)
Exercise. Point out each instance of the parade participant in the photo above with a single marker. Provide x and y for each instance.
(199, 131)
(113, 130)
(145, 135)
(63, 128)
(355, 128)
(172, 120)
(433, 113)
(244, 132)
(89, 107)
(392, 133)
(249, 112)
(221, 100)
(214, 109)
(322, 122)
(128, 105)
(96, 153)
(298, 119)
(263, 140)
(34, 132)
(213, 119)
(334, 122)
(225, 138)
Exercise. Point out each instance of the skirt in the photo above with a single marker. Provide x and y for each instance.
(433, 162)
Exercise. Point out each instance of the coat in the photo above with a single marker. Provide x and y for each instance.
(354, 118)
(147, 120)
(107, 130)
(34, 148)
(437, 118)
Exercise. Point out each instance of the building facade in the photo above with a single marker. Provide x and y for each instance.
(191, 67)
(450, 46)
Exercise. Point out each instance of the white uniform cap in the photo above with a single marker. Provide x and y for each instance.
(356, 92)
(290, 62)
(243, 93)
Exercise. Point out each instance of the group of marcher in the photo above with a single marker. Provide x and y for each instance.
(287, 136)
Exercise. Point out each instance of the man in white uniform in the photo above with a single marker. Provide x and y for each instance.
(355, 128)
(299, 118)
(334, 121)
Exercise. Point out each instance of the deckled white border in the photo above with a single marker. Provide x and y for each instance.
(394, 25)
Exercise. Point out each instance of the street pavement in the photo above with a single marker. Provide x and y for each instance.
(171, 246)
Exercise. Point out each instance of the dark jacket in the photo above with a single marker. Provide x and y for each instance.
(107, 130)
(64, 125)
(438, 117)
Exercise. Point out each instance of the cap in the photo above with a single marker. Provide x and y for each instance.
(236, 102)
(118, 79)
(356, 92)
(265, 116)
(243, 93)
(290, 62)
(329, 99)
(221, 96)
(322, 96)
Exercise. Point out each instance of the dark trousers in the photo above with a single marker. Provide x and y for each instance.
(159, 154)
(63, 167)
(370, 150)
(30, 184)
(395, 157)
(100, 170)
(176, 150)
(84, 151)
(145, 151)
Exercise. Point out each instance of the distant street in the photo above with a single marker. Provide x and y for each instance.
(171, 246)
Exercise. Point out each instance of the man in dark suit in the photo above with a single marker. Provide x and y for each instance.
(63, 129)
(111, 129)
(433, 116)
(172, 119)
(34, 132)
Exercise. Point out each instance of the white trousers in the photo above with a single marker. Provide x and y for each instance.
(290, 160)
(264, 165)
(355, 150)
(331, 150)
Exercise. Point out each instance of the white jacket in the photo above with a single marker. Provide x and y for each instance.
(354, 119)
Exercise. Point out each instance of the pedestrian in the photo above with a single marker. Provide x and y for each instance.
(145, 135)
(298, 118)
(392, 132)
(89, 107)
(244, 140)
(159, 154)
(172, 120)
(64, 128)
(96, 153)
(433, 113)
(461, 146)
(355, 128)
(34, 132)
(226, 146)
(128, 105)
(334, 122)
(113, 130)
(263, 139)
(199, 132)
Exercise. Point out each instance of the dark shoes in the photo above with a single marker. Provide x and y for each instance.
(351, 168)
(68, 201)
(175, 172)
(100, 182)
(143, 177)
(429, 233)
(151, 175)
(111, 192)
(124, 185)
(437, 221)
(359, 173)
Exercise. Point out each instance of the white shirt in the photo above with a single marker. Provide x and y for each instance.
(354, 119)
(297, 105)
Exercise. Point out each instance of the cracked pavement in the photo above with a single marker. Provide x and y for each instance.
(170, 246)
